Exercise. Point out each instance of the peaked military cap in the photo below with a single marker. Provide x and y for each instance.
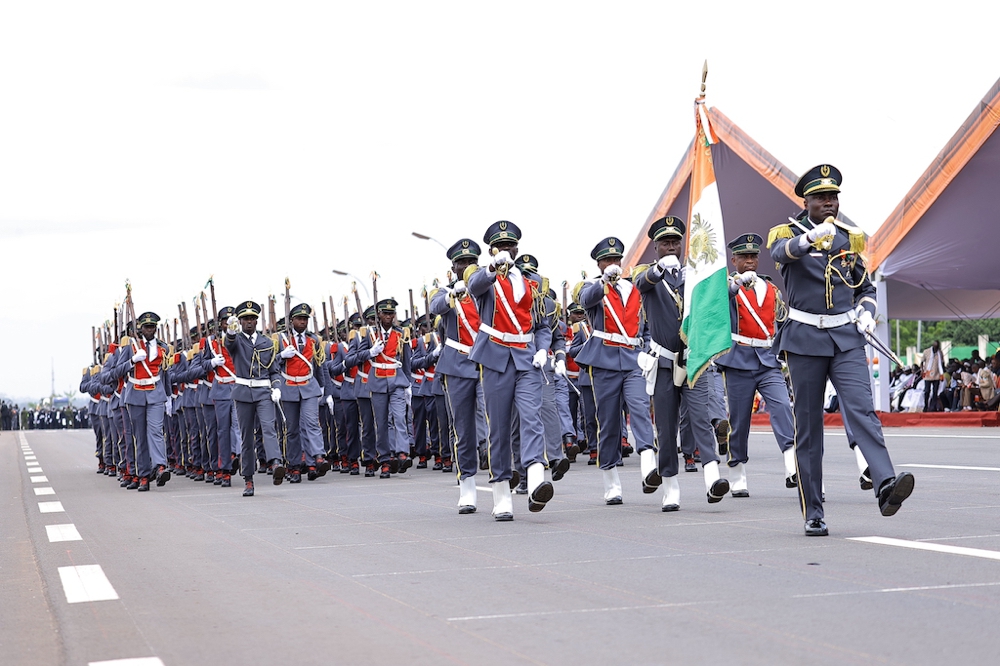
(148, 318)
(609, 248)
(369, 312)
(527, 262)
(822, 178)
(406, 323)
(281, 324)
(386, 305)
(422, 320)
(463, 249)
(356, 320)
(502, 231)
(746, 244)
(248, 309)
(226, 312)
(575, 307)
(301, 310)
(666, 226)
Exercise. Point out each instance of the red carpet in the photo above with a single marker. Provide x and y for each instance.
(917, 419)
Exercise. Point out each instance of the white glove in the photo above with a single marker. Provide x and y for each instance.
(408, 394)
(459, 289)
(218, 360)
(275, 395)
(865, 321)
(329, 403)
(540, 358)
(232, 324)
(683, 273)
(747, 279)
(436, 353)
(500, 258)
(561, 368)
(168, 406)
(817, 232)
(288, 352)
(612, 273)
(668, 262)
(376, 349)
(139, 356)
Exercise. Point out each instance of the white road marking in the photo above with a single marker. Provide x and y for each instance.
(28, 456)
(45, 491)
(975, 469)
(896, 589)
(969, 536)
(34, 470)
(39, 479)
(51, 507)
(575, 611)
(135, 661)
(67, 532)
(86, 583)
(935, 547)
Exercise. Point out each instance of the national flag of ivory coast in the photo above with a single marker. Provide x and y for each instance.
(705, 326)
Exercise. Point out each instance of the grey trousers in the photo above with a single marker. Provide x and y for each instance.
(502, 392)
(264, 411)
(612, 389)
(460, 397)
(386, 406)
(740, 387)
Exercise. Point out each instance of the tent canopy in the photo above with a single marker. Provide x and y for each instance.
(935, 251)
(756, 192)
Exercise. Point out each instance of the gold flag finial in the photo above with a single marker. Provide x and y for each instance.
(704, 76)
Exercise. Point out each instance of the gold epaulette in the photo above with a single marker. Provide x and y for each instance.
(350, 335)
(170, 350)
(858, 243)
(576, 290)
(407, 334)
(779, 231)
(639, 268)
(469, 270)
(125, 341)
(558, 311)
(544, 288)
(94, 370)
(432, 293)
(190, 354)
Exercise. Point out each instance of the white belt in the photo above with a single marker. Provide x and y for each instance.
(204, 382)
(428, 374)
(299, 378)
(618, 338)
(363, 375)
(94, 400)
(573, 375)
(417, 378)
(386, 366)
(520, 338)
(455, 344)
(253, 383)
(820, 321)
(225, 380)
(192, 386)
(349, 380)
(337, 384)
(143, 382)
(752, 342)
(105, 398)
(660, 350)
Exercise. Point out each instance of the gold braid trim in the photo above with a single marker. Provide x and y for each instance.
(831, 269)
(780, 231)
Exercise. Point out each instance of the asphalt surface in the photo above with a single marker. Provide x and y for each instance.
(349, 570)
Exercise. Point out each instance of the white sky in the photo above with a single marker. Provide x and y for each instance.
(167, 142)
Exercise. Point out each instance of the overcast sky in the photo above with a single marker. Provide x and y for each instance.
(164, 143)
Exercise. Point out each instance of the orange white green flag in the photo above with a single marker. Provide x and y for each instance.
(705, 326)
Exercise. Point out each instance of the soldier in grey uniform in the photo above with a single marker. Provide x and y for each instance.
(218, 359)
(755, 310)
(614, 307)
(256, 391)
(511, 347)
(363, 393)
(831, 306)
(459, 375)
(300, 357)
(582, 406)
(662, 289)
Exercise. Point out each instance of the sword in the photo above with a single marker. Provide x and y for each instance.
(877, 344)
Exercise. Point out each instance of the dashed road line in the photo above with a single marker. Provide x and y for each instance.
(39, 479)
(67, 532)
(135, 661)
(44, 491)
(86, 583)
(934, 547)
(51, 507)
(965, 467)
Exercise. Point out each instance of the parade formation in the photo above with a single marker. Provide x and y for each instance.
(492, 373)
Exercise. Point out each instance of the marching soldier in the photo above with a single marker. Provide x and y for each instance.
(614, 305)
(581, 405)
(221, 393)
(831, 306)
(662, 289)
(511, 347)
(256, 390)
(301, 357)
(388, 353)
(348, 398)
(363, 394)
(755, 309)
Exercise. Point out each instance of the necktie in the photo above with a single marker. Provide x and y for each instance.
(302, 343)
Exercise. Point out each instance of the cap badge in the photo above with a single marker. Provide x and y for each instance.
(825, 170)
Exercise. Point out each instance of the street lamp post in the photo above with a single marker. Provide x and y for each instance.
(357, 280)
(429, 238)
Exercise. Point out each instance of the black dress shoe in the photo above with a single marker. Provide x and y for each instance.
(369, 470)
(294, 476)
(226, 481)
(404, 463)
(422, 462)
(515, 479)
(386, 472)
(447, 466)
(540, 496)
(689, 465)
(816, 527)
(522, 488)
(248, 491)
(261, 467)
(593, 458)
(143, 485)
(503, 517)
(571, 448)
(466, 509)
(133, 485)
(614, 501)
(559, 469)
(322, 466)
(393, 466)
(741, 493)
(792, 481)
(670, 507)
(893, 492)
(437, 464)
(278, 471)
(311, 473)
(162, 475)
(722, 430)
(651, 482)
(866, 479)
(718, 491)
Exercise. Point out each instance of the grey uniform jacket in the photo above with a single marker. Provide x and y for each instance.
(662, 300)
(745, 357)
(452, 362)
(489, 352)
(254, 361)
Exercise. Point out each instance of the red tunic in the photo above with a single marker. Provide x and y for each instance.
(627, 313)
(746, 325)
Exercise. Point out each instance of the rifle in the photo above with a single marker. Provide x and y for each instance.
(93, 343)
(197, 317)
(326, 323)
(413, 312)
(333, 313)
(288, 308)
(215, 310)
(271, 315)
(117, 329)
(347, 317)
(427, 308)
(375, 290)
(315, 325)
(204, 311)
(357, 301)
(565, 303)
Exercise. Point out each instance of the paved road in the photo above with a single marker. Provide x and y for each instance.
(348, 570)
